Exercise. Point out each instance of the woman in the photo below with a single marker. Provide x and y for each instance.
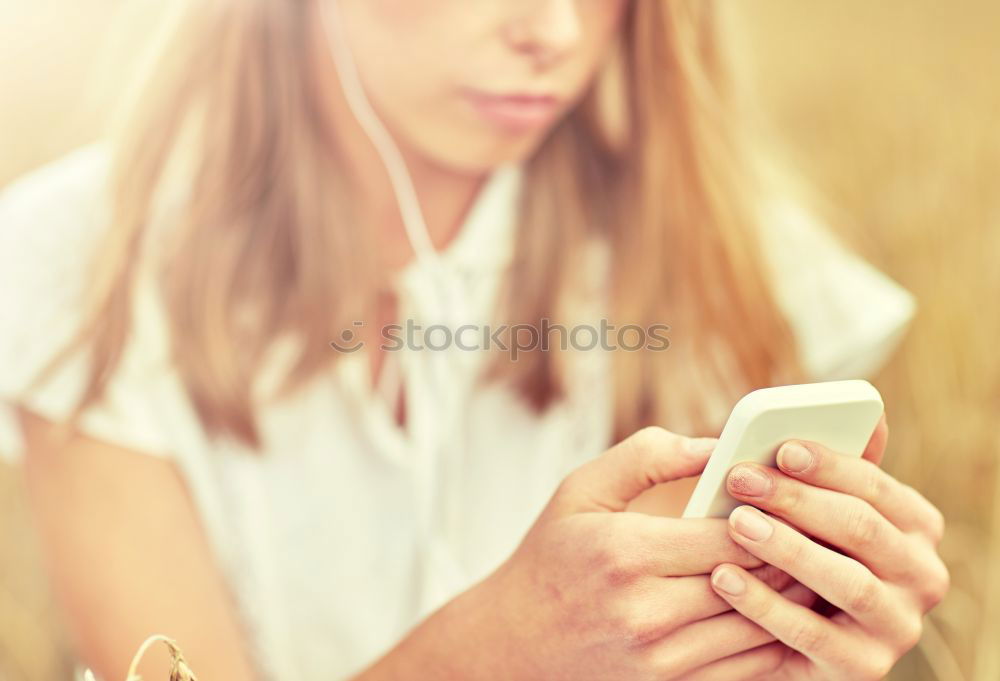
(251, 470)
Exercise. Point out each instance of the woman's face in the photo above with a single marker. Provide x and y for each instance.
(472, 84)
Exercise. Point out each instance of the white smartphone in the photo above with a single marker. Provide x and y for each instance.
(841, 415)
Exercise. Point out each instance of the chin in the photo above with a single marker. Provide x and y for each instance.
(482, 154)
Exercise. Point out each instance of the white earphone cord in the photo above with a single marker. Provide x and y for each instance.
(444, 375)
(357, 101)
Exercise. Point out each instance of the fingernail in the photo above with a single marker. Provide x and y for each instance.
(751, 523)
(700, 445)
(727, 580)
(749, 481)
(794, 458)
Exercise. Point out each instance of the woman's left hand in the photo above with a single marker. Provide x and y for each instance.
(882, 574)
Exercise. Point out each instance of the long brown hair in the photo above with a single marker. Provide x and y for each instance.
(651, 161)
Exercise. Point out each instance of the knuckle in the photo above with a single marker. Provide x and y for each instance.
(936, 584)
(864, 531)
(793, 551)
(760, 609)
(617, 568)
(764, 661)
(864, 593)
(566, 486)
(645, 444)
(909, 634)
(875, 483)
(637, 628)
(650, 438)
(616, 574)
(774, 658)
(649, 450)
(933, 522)
(877, 666)
(667, 661)
(661, 662)
(787, 496)
(573, 482)
(808, 637)
(936, 524)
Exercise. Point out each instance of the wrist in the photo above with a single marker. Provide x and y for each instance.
(466, 639)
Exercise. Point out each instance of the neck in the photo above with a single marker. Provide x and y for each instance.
(445, 198)
(444, 194)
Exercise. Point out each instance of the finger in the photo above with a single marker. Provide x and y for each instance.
(677, 547)
(875, 449)
(750, 664)
(702, 642)
(903, 506)
(657, 599)
(844, 521)
(649, 457)
(826, 644)
(774, 577)
(841, 580)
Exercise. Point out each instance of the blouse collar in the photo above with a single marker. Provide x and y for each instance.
(486, 239)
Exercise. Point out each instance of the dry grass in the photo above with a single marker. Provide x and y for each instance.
(891, 108)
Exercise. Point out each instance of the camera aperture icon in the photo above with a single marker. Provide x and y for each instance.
(350, 340)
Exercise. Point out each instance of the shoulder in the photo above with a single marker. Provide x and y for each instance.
(51, 219)
(67, 193)
(847, 315)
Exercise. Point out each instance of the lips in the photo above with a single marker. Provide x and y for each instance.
(515, 112)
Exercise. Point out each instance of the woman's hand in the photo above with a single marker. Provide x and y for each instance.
(595, 592)
(882, 574)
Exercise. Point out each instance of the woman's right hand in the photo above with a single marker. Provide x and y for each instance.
(595, 592)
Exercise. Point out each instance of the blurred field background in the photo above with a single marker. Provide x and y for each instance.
(890, 107)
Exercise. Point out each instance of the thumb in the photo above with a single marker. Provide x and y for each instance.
(646, 458)
(875, 449)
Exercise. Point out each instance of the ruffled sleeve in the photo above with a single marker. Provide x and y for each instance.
(51, 222)
(847, 316)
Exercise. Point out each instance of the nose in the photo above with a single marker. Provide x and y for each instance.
(546, 31)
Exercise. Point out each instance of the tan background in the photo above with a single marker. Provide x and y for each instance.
(889, 106)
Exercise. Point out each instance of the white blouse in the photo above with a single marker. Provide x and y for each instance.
(347, 529)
